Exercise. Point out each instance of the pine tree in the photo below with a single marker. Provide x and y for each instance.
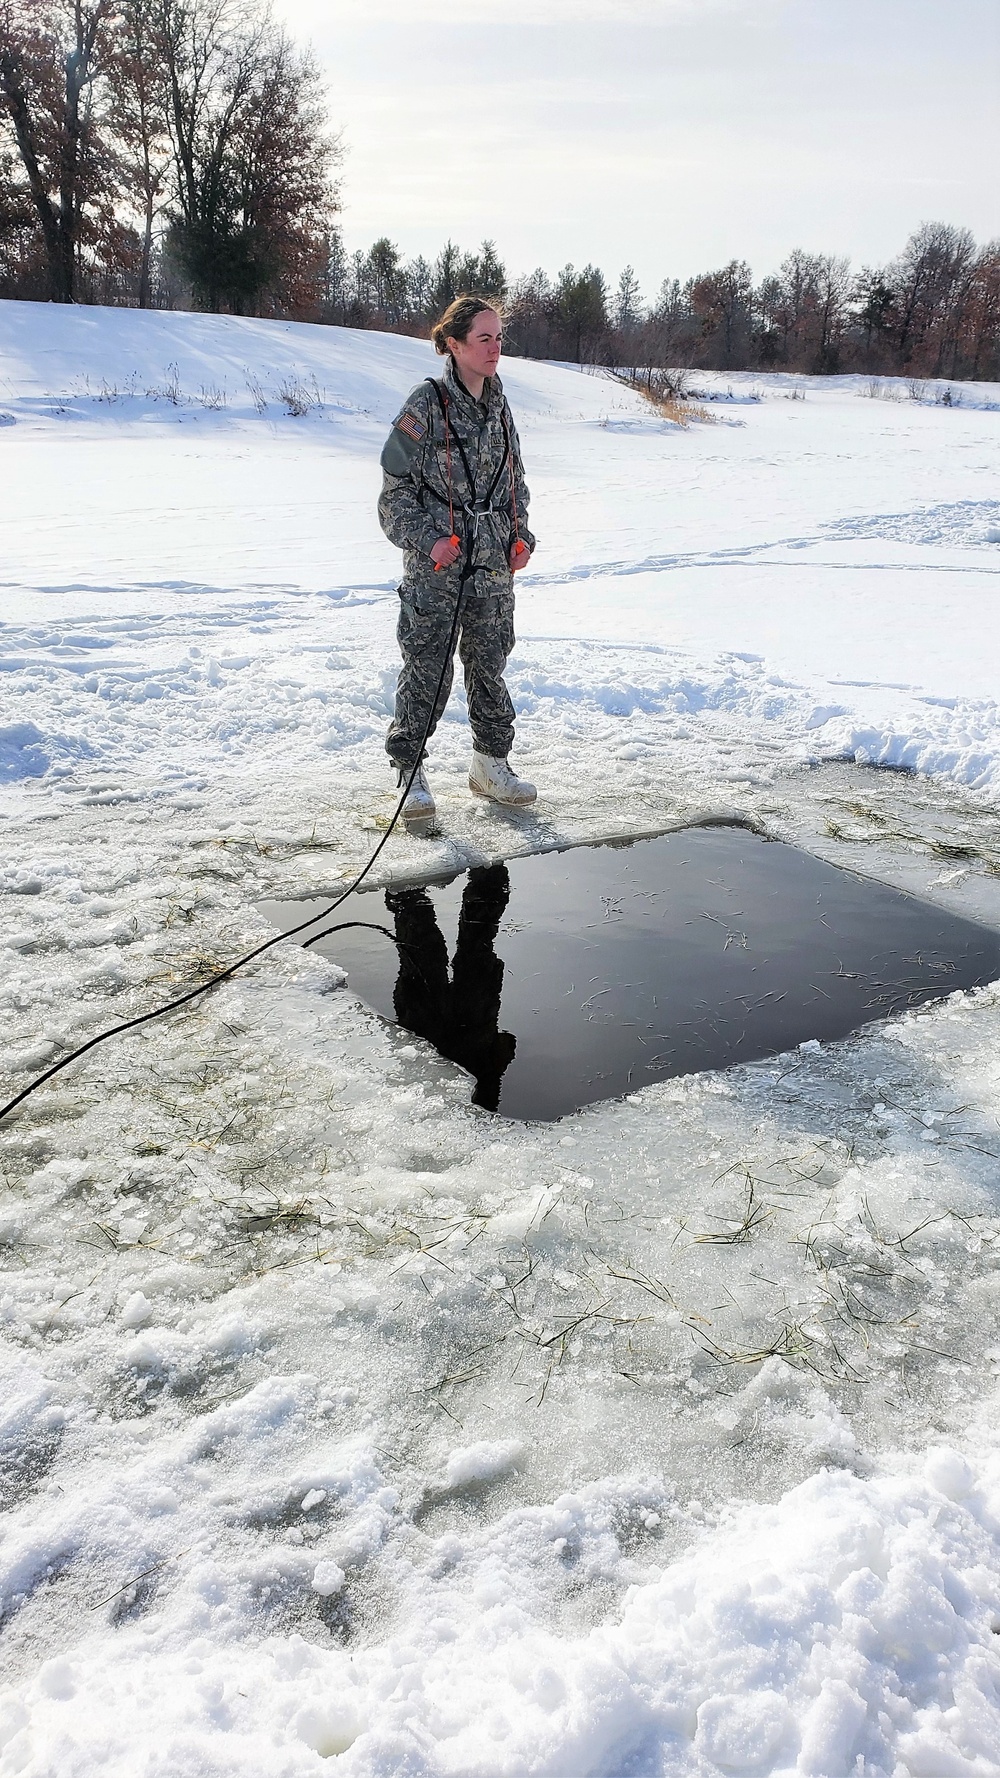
(580, 307)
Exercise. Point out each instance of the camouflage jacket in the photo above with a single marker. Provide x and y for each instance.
(413, 508)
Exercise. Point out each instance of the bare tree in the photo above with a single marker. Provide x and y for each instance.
(926, 278)
(138, 116)
(53, 55)
(833, 289)
(978, 345)
(723, 301)
(22, 268)
(529, 322)
(671, 330)
(803, 312)
(252, 155)
(286, 197)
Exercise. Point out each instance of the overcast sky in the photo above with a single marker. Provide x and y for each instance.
(672, 134)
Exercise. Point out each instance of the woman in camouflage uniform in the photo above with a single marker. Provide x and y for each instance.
(455, 501)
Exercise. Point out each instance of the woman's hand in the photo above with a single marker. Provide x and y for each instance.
(520, 556)
(445, 551)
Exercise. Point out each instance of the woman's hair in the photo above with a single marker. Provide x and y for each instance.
(456, 322)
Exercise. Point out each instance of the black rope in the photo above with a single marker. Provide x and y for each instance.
(223, 975)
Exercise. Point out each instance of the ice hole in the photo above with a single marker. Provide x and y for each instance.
(563, 978)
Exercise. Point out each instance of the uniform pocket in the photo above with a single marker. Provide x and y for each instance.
(505, 621)
(423, 602)
(423, 616)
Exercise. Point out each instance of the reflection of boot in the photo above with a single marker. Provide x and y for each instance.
(491, 1068)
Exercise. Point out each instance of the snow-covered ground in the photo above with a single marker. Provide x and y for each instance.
(345, 1427)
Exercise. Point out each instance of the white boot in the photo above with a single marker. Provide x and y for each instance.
(494, 778)
(419, 804)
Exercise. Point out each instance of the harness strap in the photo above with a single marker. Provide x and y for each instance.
(484, 504)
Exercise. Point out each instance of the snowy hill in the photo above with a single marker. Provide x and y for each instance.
(343, 1425)
(126, 356)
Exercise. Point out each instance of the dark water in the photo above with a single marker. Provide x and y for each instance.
(567, 977)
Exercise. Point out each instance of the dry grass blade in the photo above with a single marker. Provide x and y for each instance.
(743, 1227)
(652, 1286)
(154, 1568)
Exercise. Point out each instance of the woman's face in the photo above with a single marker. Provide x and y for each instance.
(479, 353)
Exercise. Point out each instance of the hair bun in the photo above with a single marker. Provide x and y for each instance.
(456, 322)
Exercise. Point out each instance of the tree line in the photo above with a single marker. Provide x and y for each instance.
(934, 310)
(179, 154)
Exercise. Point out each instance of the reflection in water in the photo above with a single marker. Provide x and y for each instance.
(458, 1016)
(627, 965)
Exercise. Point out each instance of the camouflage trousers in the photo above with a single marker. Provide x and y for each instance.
(485, 639)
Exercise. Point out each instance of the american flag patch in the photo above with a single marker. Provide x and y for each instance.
(413, 427)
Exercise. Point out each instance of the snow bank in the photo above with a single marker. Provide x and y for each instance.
(850, 1628)
(64, 363)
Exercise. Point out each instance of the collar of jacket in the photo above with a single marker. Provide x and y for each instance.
(491, 397)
